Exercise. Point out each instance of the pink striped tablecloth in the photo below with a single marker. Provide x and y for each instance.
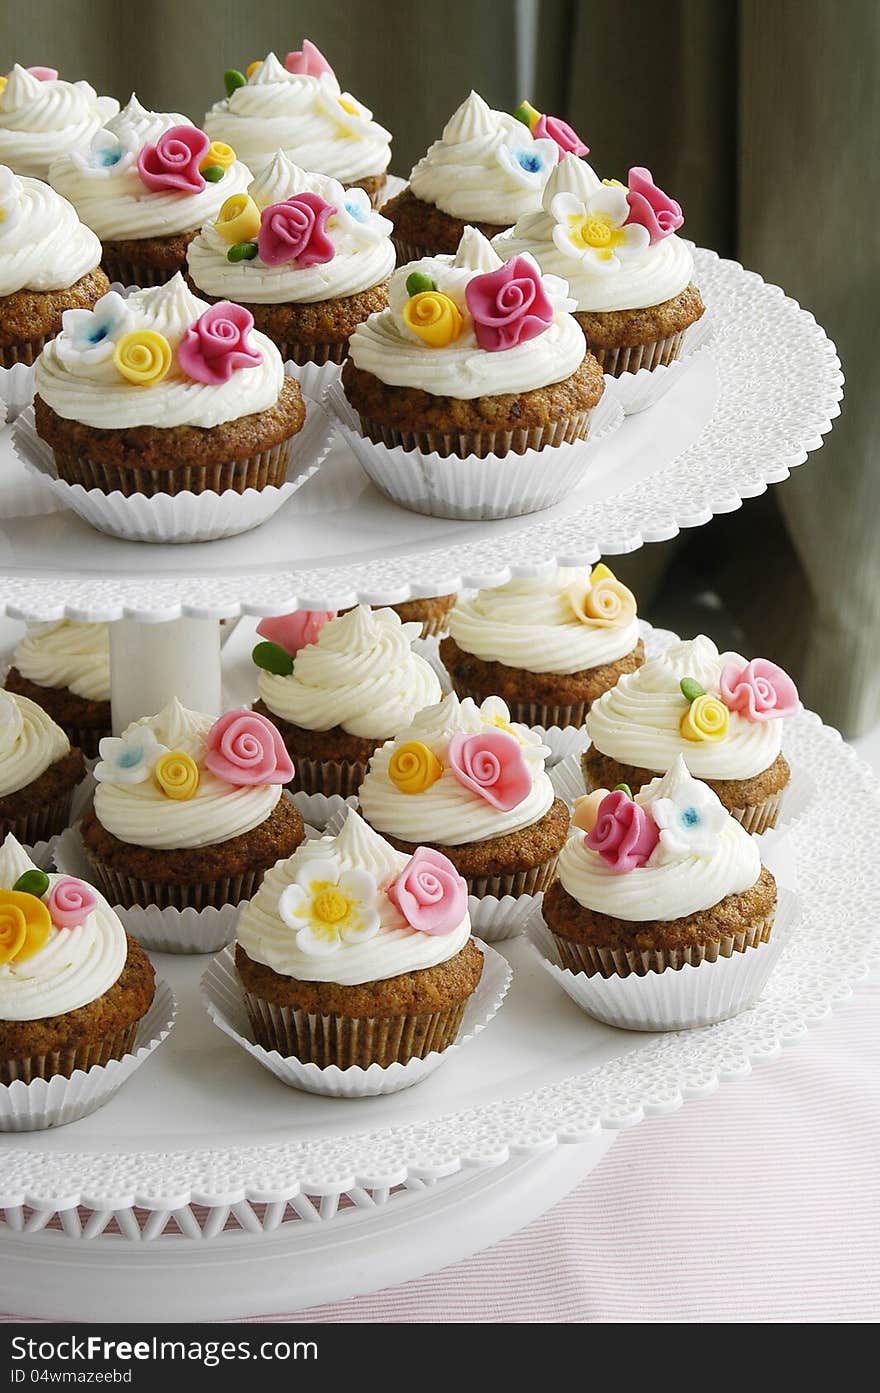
(760, 1203)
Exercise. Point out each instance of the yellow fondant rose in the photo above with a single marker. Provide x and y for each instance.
(413, 767)
(238, 219)
(24, 925)
(218, 153)
(177, 774)
(252, 67)
(434, 317)
(142, 357)
(705, 719)
(605, 602)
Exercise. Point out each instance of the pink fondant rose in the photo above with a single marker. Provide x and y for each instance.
(508, 306)
(308, 61)
(217, 344)
(650, 206)
(70, 902)
(624, 833)
(294, 231)
(295, 631)
(430, 893)
(760, 691)
(568, 140)
(244, 748)
(491, 765)
(44, 74)
(173, 162)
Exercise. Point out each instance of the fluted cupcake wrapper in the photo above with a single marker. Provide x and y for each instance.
(620, 962)
(43, 823)
(638, 388)
(566, 430)
(135, 274)
(316, 809)
(22, 354)
(292, 350)
(333, 777)
(529, 882)
(51, 1097)
(650, 356)
(694, 994)
(266, 469)
(544, 716)
(242, 1017)
(16, 386)
(86, 738)
(45, 1066)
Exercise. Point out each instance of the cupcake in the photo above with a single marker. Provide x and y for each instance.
(65, 668)
(487, 170)
(352, 953)
(549, 645)
(145, 184)
(338, 688)
(41, 116)
(652, 883)
(189, 811)
(162, 393)
(73, 985)
(723, 714)
(474, 356)
(464, 780)
(298, 107)
(38, 771)
(630, 275)
(49, 263)
(308, 259)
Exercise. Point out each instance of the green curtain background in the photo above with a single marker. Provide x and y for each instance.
(761, 116)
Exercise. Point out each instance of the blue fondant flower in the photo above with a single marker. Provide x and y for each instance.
(530, 164)
(106, 155)
(89, 336)
(355, 213)
(130, 758)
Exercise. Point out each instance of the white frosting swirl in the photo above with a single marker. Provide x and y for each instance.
(74, 966)
(657, 273)
(384, 346)
(637, 721)
(40, 119)
(448, 813)
(529, 624)
(43, 245)
(142, 815)
(115, 202)
(363, 250)
(667, 887)
(67, 654)
(95, 393)
(309, 118)
(396, 948)
(29, 742)
(486, 166)
(361, 674)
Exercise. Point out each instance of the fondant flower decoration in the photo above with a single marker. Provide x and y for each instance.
(70, 902)
(433, 317)
(106, 155)
(44, 74)
(528, 164)
(508, 306)
(177, 775)
(595, 231)
(564, 137)
(128, 758)
(307, 61)
(173, 162)
(24, 926)
(328, 907)
(760, 691)
(586, 809)
(492, 766)
(689, 822)
(217, 344)
(495, 712)
(355, 213)
(706, 719)
(430, 893)
(10, 200)
(218, 155)
(624, 834)
(90, 336)
(650, 206)
(413, 768)
(238, 219)
(296, 630)
(603, 602)
(244, 748)
(295, 231)
(142, 357)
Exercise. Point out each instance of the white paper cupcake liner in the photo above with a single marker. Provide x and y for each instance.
(314, 378)
(638, 390)
(429, 649)
(16, 389)
(316, 809)
(42, 1103)
(182, 517)
(564, 742)
(475, 489)
(224, 1000)
(677, 999)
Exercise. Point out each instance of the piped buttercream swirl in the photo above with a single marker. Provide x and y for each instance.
(43, 244)
(67, 654)
(39, 119)
(29, 742)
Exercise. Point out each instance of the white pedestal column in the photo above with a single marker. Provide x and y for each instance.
(151, 663)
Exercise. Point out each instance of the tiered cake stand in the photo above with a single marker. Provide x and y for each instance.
(206, 1187)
